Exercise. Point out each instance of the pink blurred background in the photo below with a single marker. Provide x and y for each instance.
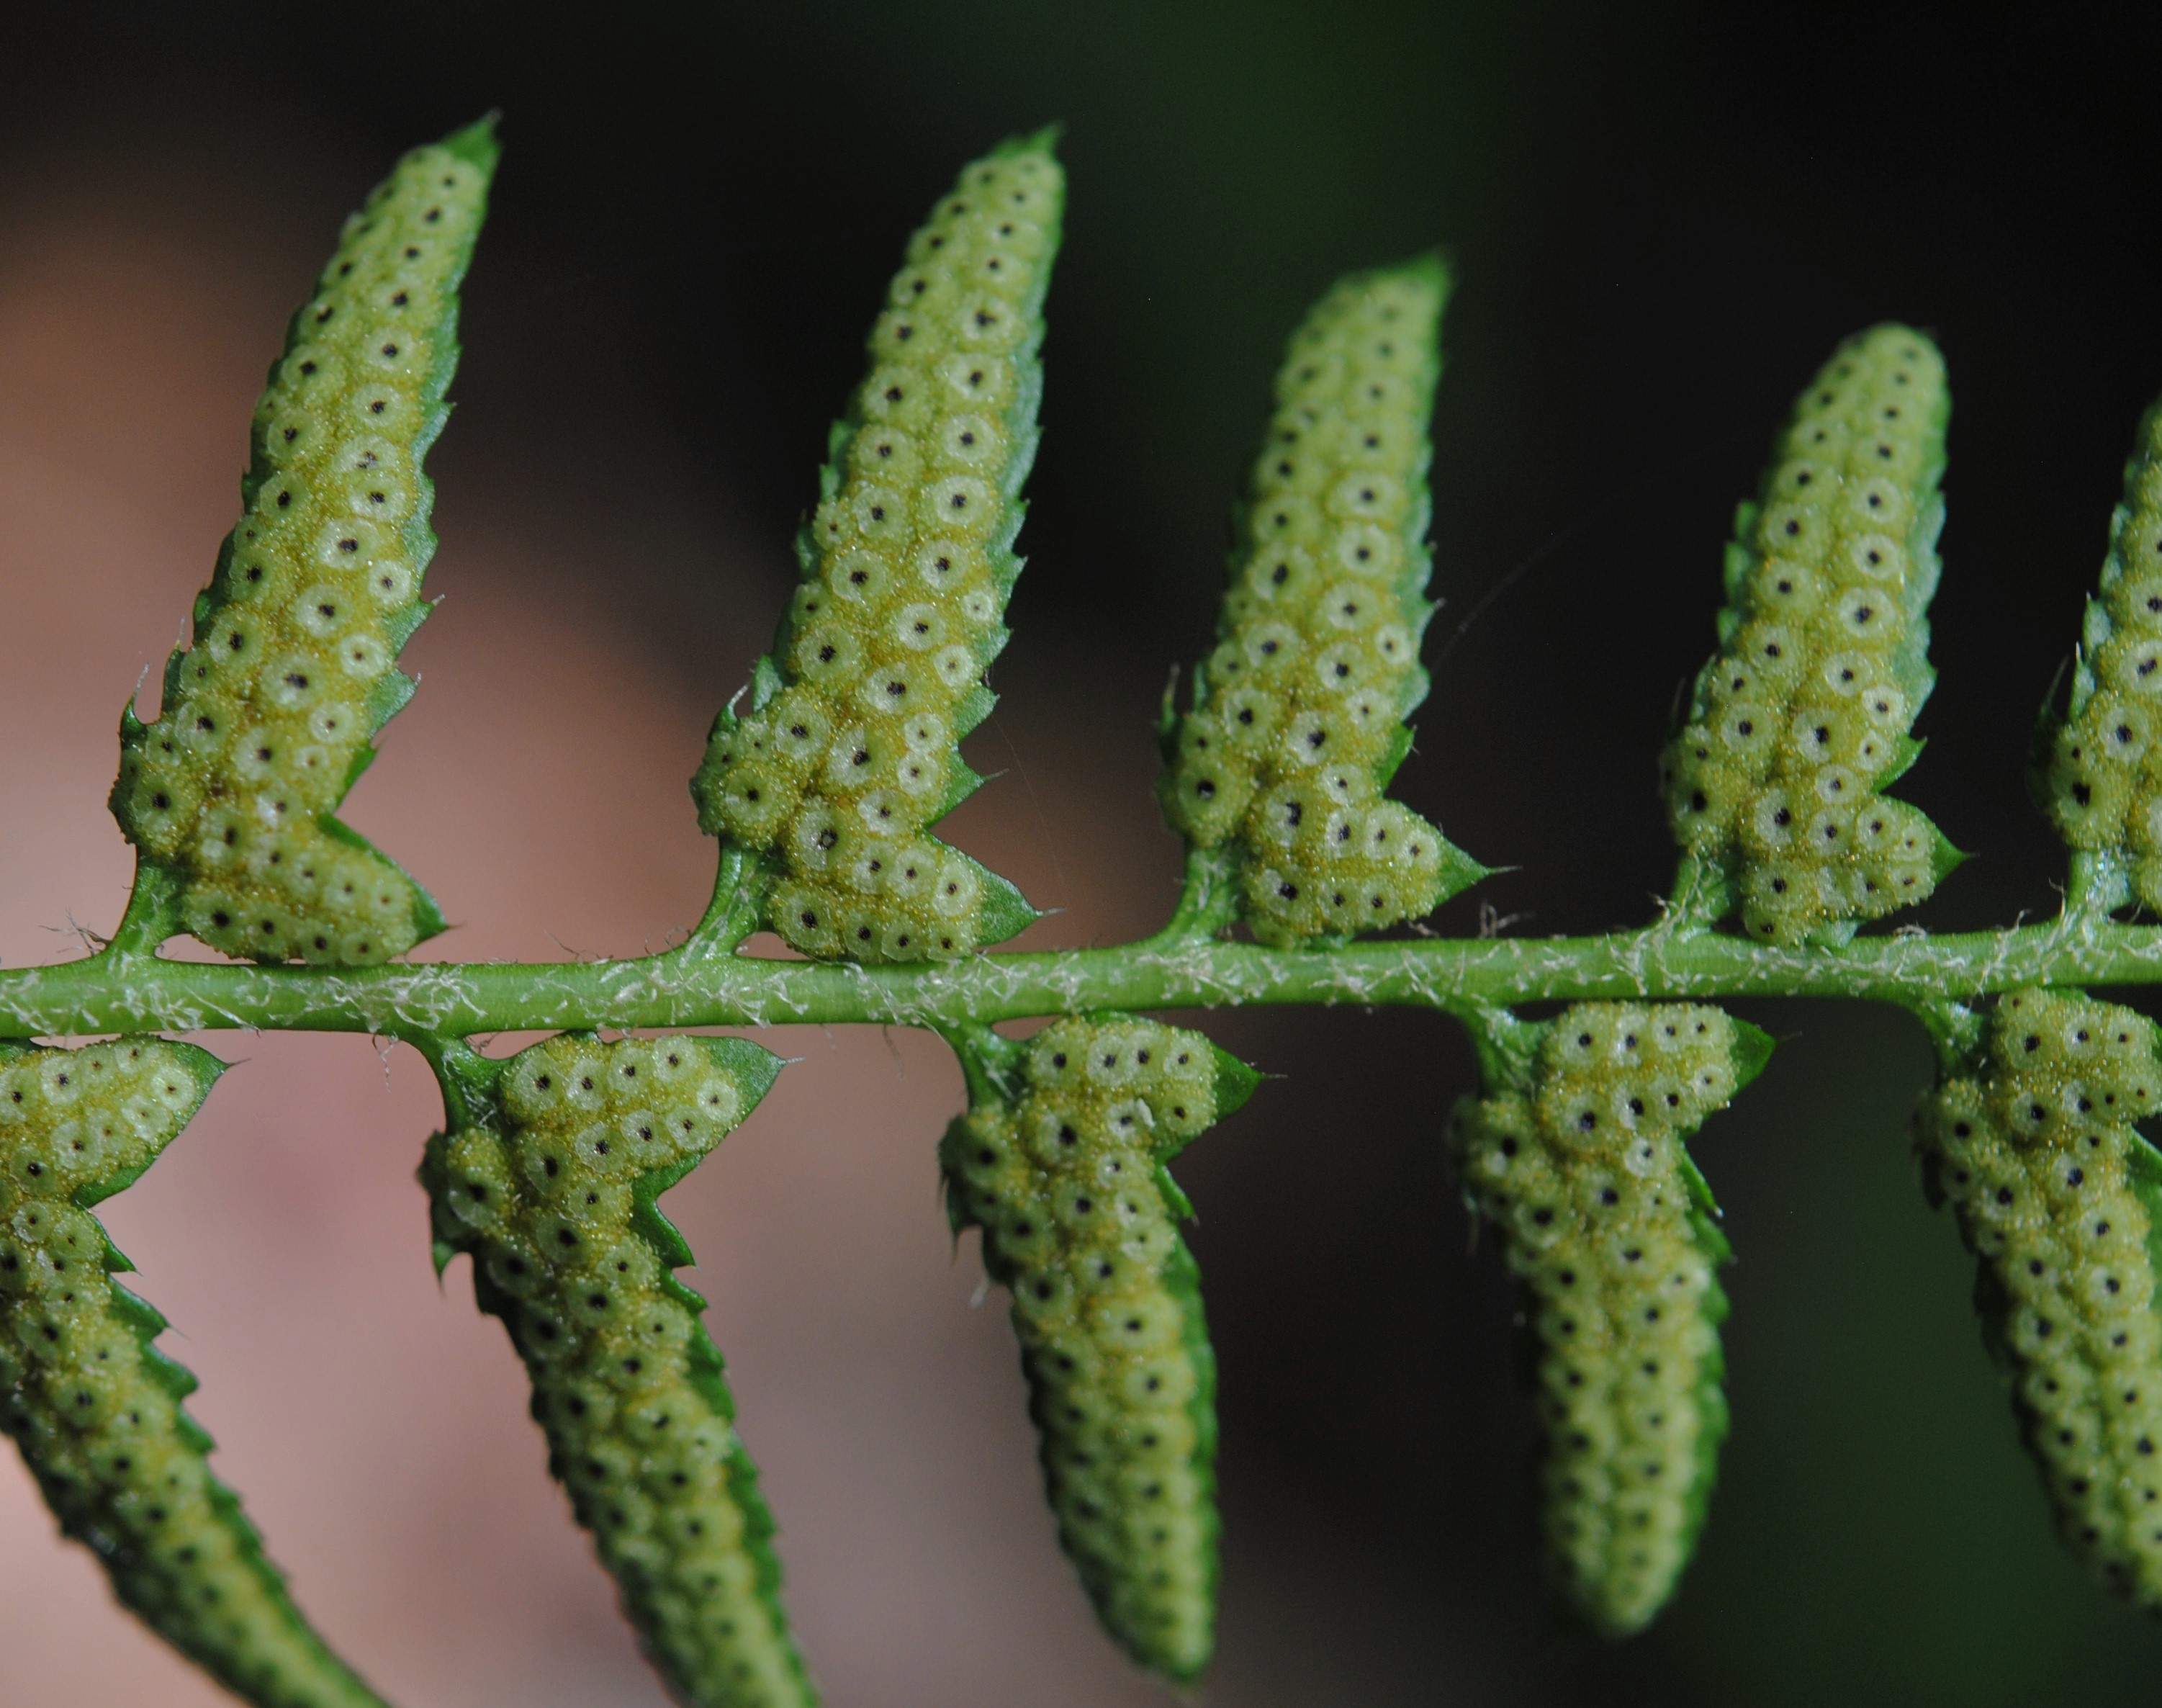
(373, 1423)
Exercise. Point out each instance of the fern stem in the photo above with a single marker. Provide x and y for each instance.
(126, 990)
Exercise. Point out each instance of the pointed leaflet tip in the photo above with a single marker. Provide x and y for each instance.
(1906, 754)
(2143, 1163)
(477, 143)
(202, 1070)
(117, 1261)
(1944, 858)
(1752, 1051)
(200, 1065)
(2073, 681)
(1006, 911)
(1430, 265)
(1041, 141)
(1711, 1238)
(1458, 872)
(650, 1223)
(2143, 1170)
(1235, 1082)
(428, 918)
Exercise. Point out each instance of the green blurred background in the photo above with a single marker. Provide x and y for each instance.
(1662, 215)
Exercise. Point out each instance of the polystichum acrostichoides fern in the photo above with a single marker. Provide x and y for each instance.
(823, 782)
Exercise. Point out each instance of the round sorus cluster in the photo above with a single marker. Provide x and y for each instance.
(2057, 1195)
(850, 748)
(1297, 721)
(2104, 777)
(267, 719)
(555, 1201)
(1803, 715)
(95, 1409)
(1080, 1223)
(1604, 1221)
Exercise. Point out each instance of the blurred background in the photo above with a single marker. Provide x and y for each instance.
(1663, 216)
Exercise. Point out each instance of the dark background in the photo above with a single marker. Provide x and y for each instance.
(1663, 216)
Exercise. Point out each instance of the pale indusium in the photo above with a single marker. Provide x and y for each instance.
(822, 782)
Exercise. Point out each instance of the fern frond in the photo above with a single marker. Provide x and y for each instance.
(1579, 1160)
(551, 1181)
(2100, 776)
(1061, 1161)
(850, 748)
(91, 1402)
(267, 717)
(1297, 724)
(1803, 716)
(2031, 1140)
